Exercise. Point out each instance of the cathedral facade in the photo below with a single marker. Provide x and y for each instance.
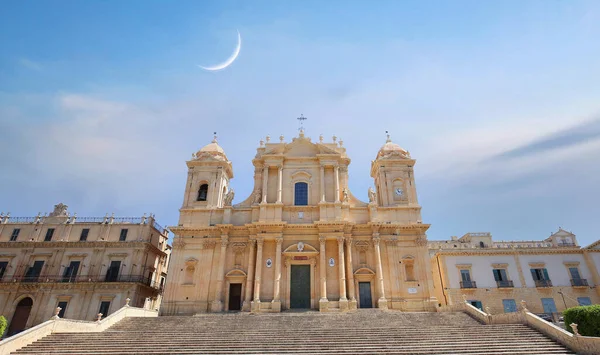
(301, 240)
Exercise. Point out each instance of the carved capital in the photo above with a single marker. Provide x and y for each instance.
(178, 243)
(224, 241)
(340, 240)
(279, 241)
(260, 241)
(376, 240)
(209, 244)
(322, 240)
(421, 241)
(348, 241)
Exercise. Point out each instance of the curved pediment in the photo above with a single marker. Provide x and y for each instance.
(300, 247)
(236, 273)
(364, 271)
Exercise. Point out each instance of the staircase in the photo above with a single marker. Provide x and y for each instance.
(361, 332)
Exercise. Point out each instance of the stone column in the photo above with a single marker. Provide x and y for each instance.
(382, 302)
(342, 274)
(322, 183)
(352, 304)
(279, 182)
(217, 304)
(265, 178)
(276, 303)
(337, 183)
(257, 275)
(323, 302)
(250, 279)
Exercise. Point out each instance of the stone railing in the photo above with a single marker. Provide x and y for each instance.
(581, 344)
(57, 324)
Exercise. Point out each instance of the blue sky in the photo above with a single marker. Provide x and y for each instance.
(101, 103)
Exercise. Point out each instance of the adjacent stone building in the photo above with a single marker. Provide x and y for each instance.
(550, 275)
(301, 239)
(84, 265)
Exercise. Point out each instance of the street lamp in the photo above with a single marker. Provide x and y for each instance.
(563, 298)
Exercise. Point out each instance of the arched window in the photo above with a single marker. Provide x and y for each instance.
(202, 192)
(301, 194)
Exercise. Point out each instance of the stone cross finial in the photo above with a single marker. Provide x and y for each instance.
(127, 300)
(575, 330)
(214, 138)
(99, 315)
(388, 140)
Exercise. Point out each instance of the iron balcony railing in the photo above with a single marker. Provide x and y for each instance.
(468, 284)
(543, 283)
(579, 282)
(507, 283)
(83, 278)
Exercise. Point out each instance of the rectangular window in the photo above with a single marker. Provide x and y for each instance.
(301, 194)
(49, 234)
(574, 273)
(465, 275)
(584, 301)
(84, 234)
(112, 274)
(70, 273)
(476, 304)
(509, 306)
(549, 305)
(540, 274)
(63, 308)
(15, 234)
(123, 235)
(104, 307)
(500, 275)
(3, 266)
(32, 274)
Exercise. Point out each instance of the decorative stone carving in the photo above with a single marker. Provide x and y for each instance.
(257, 196)
(362, 245)
(421, 241)
(345, 198)
(60, 210)
(300, 246)
(209, 244)
(372, 195)
(178, 243)
(229, 197)
(376, 241)
(238, 247)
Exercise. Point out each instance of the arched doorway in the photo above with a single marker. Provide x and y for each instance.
(19, 319)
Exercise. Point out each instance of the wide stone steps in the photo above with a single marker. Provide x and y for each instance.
(363, 332)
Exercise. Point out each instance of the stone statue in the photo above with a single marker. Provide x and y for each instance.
(60, 210)
(229, 197)
(372, 195)
(345, 194)
(257, 196)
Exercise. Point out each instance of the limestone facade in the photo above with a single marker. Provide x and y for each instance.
(301, 239)
(550, 274)
(85, 265)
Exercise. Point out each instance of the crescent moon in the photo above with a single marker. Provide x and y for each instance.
(229, 60)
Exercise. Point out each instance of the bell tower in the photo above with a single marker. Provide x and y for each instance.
(209, 173)
(393, 173)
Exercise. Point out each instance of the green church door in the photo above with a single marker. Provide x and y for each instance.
(364, 292)
(300, 286)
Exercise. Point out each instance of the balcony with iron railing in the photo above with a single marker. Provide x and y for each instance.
(505, 284)
(83, 278)
(468, 284)
(579, 282)
(543, 283)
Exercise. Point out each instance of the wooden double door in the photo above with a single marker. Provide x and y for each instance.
(300, 287)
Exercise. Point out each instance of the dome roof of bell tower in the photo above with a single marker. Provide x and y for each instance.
(392, 149)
